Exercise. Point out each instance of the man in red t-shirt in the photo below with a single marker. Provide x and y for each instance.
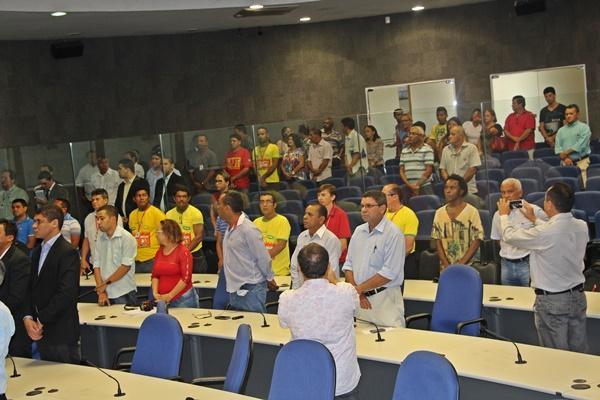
(337, 219)
(519, 127)
(238, 163)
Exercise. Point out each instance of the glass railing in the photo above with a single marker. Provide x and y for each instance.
(374, 149)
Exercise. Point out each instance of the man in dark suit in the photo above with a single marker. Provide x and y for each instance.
(164, 198)
(51, 316)
(13, 289)
(127, 189)
(52, 190)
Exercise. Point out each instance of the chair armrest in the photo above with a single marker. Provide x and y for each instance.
(416, 317)
(209, 380)
(272, 304)
(123, 350)
(177, 378)
(461, 325)
(200, 299)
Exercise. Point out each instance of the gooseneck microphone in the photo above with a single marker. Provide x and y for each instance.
(496, 336)
(84, 294)
(264, 325)
(377, 329)
(15, 374)
(119, 393)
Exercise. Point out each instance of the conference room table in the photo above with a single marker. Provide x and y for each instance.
(486, 367)
(48, 380)
(507, 309)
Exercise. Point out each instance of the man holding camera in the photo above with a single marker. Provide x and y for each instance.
(557, 248)
(514, 261)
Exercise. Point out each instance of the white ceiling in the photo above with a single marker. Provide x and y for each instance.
(31, 20)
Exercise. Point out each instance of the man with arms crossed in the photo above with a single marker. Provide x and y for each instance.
(556, 263)
(375, 263)
(302, 311)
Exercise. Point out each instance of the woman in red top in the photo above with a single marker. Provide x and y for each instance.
(172, 272)
(337, 219)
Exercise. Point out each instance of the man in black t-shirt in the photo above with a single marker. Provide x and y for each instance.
(551, 117)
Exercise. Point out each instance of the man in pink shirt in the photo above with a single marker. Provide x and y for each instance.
(519, 127)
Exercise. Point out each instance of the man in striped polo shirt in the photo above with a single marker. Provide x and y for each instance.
(416, 163)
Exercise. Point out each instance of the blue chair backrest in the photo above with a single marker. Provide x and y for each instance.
(594, 159)
(308, 183)
(355, 219)
(425, 218)
(593, 184)
(201, 198)
(392, 170)
(514, 155)
(511, 164)
(573, 182)
(530, 185)
(543, 152)
(304, 369)
(344, 192)
(491, 202)
(536, 198)
(291, 194)
(564, 170)
(294, 224)
(239, 365)
(491, 174)
(291, 207)
(424, 202)
(375, 187)
(528, 173)
(579, 214)
(387, 179)
(553, 161)
(486, 187)
(209, 229)
(458, 299)
(158, 348)
(425, 375)
(486, 222)
(597, 224)
(588, 202)
(337, 182)
(438, 189)
(221, 297)
(593, 171)
(391, 162)
(311, 195)
(362, 181)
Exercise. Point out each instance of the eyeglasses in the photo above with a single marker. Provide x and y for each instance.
(368, 206)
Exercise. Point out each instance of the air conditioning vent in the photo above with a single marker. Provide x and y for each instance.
(265, 12)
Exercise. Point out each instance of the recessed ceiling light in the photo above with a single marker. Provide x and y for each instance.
(418, 8)
(256, 7)
(304, 19)
(58, 14)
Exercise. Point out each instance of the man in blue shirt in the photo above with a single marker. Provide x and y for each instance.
(24, 224)
(375, 263)
(573, 142)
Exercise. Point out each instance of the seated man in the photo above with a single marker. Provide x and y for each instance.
(457, 227)
(301, 310)
(275, 229)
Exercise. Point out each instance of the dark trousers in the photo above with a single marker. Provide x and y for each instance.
(63, 353)
(411, 267)
(351, 395)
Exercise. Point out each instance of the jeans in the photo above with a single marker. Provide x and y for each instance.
(187, 300)
(253, 301)
(127, 298)
(514, 273)
(560, 320)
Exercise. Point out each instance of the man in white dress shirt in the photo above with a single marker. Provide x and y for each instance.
(514, 261)
(556, 263)
(302, 311)
(315, 216)
(106, 178)
(7, 329)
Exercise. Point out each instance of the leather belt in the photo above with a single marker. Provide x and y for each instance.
(516, 260)
(578, 288)
(373, 292)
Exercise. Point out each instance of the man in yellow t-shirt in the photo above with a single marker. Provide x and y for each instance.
(438, 132)
(191, 222)
(144, 221)
(275, 230)
(406, 220)
(266, 160)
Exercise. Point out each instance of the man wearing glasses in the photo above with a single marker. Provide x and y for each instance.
(375, 263)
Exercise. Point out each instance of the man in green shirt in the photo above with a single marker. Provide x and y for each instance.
(9, 193)
(573, 142)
